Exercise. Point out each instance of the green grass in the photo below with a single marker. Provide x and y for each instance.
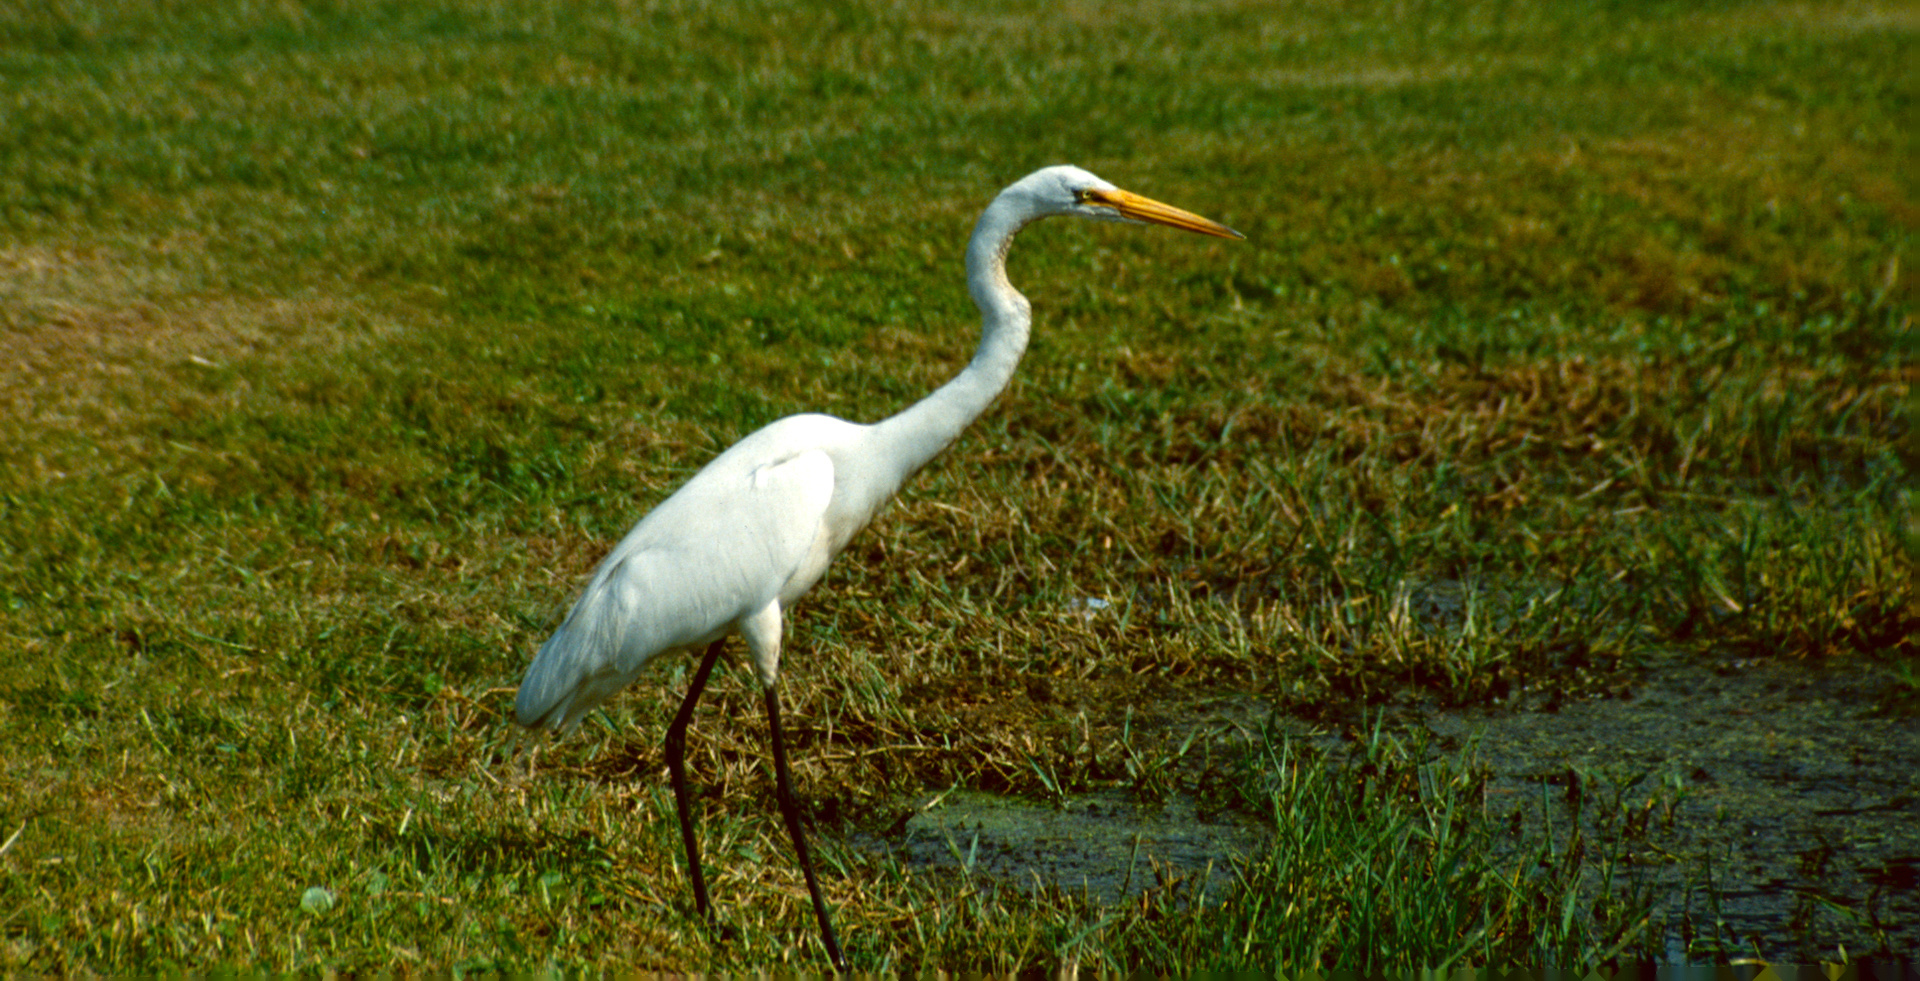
(343, 338)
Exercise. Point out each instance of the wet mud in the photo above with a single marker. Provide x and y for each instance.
(1106, 845)
(1769, 808)
(1763, 808)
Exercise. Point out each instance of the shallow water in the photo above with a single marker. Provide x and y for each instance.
(1781, 808)
(1103, 844)
(1792, 794)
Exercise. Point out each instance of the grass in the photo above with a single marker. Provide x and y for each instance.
(345, 337)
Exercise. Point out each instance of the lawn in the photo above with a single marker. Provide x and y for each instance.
(1566, 342)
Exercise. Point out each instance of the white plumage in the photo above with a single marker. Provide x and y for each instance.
(749, 534)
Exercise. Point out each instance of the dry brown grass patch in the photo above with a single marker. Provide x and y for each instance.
(100, 341)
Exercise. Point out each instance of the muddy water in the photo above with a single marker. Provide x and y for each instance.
(1766, 808)
(1782, 801)
(1103, 844)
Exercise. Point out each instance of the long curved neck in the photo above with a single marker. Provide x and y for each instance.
(918, 434)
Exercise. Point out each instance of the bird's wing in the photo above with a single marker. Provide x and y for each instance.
(730, 542)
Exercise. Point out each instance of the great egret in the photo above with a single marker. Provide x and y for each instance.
(753, 530)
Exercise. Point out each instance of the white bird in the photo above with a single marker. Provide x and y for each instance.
(733, 548)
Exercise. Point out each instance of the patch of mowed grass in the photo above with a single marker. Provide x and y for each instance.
(343, 338)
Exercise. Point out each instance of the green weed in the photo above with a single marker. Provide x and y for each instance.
(341, 339)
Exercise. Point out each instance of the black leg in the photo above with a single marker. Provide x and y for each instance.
(677, 765)
(788, 809)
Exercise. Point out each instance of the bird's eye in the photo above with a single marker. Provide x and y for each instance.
(1082, 196)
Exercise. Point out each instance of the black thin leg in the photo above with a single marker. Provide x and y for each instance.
(677, 765)
(783, 784)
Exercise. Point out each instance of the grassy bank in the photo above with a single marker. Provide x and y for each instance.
(343, 338)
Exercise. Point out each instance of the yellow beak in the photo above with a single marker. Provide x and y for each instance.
(1131, 205)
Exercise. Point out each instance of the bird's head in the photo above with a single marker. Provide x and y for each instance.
(1068, 190)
